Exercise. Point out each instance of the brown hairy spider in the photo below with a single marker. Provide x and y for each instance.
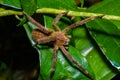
(59, 39)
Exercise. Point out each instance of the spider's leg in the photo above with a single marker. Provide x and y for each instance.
(75, 62)
(40, 27)
(57, 18)
(53, 62)
(76, 24)
(44, 40)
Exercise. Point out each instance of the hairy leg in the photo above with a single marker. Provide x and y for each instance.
(57, 18)
(53, 62)
(40, 27)
(45, 40)
(75, 62)
(76, 24)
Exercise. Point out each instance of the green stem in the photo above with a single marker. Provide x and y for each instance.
(4, 12)
(76, 13)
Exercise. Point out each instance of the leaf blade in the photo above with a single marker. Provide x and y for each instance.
(106, 40)
(58, 4)
(11, 3)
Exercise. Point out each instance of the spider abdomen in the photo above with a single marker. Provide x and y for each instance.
(36, 34)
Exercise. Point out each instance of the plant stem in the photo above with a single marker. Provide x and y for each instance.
(4, 12)
(76, 13)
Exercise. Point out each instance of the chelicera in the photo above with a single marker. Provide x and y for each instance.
(59, 39)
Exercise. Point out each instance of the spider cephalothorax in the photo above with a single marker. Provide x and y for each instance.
(59, 39)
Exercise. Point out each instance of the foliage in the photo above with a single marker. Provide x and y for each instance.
(95, 45)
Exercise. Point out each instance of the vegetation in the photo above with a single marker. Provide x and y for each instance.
(95, 45)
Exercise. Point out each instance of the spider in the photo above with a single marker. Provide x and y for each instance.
(59, 39)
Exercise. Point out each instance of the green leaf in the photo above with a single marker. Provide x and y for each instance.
(63, 71)
(117, 23)
(83, 42)
(28, 30)
(82, 60)
(58, 4)
(105, 33)
(110, 7)
(107, 37)
(46, 63)
(11, 3)
(28, 6)
(102, 69)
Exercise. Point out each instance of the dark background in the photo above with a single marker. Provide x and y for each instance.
(15, 48)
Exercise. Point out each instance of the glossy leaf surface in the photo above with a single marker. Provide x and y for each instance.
(110, 7)
(30, 7)
(105, 33)
(58, 4)
(11, 3)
